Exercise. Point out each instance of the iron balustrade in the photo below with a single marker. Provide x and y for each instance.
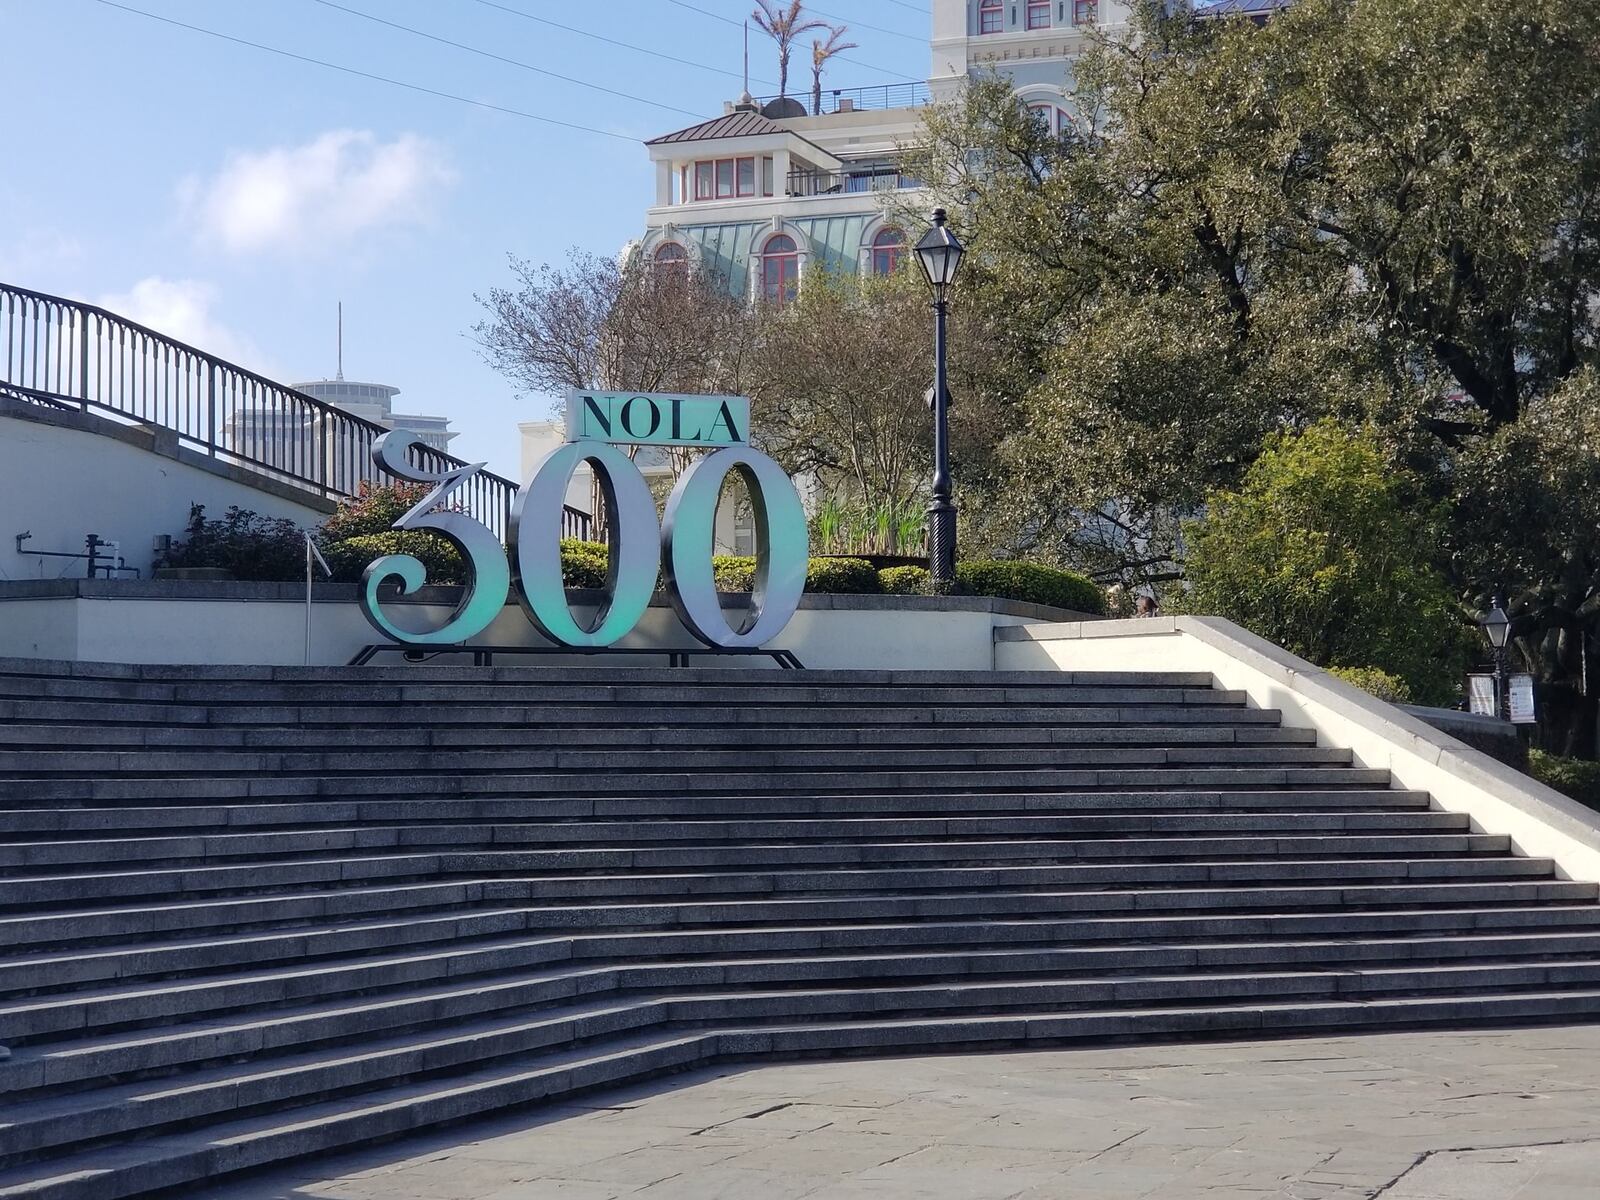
(883, 95)
(62, 354)
(806, 182)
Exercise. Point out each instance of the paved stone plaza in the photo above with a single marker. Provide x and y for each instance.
(1405, 1116)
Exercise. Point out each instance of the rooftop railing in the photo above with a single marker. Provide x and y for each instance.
(885, 95)
(62, 354)
(803, 182)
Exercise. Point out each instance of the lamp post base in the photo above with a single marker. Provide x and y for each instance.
(942, 546)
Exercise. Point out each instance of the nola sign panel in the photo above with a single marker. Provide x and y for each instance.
(678, 547)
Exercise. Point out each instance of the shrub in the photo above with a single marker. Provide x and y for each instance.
(583, 564)
(1325, 551)
(1033, 583)
(1575, 777)
(1375, 682)
(838, 576)
(349, 558)
(243, 542)
(374, 509)
(905, 581)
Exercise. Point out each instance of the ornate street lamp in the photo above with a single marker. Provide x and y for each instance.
(940, 255)
(1497, 628)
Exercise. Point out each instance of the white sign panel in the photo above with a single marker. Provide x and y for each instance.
(1521, 703)
(1480, 695)
(657, 419)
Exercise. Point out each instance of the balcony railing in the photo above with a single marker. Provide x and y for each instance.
(843, 183)
(886, 95)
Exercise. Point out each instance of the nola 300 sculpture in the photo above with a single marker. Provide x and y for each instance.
(680, 545)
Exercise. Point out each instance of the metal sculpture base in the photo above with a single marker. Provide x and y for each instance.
(483, 656)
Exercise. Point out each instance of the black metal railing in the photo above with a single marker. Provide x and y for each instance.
(63, 354)
(884, 95)
(806, 182)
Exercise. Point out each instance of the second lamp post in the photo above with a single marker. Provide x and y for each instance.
(940, 255)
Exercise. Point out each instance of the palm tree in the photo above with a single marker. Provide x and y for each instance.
(821, 52)
(783, 25)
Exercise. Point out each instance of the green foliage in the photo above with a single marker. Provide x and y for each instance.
(350, 557)
(1318, 551)
(892, 527)
(905, 581)
(839, 576)
(1386, 687)
(583, 564)
(842, 576)
(374, 509)
(1031, 582)
(1575, 777)
(249, 545)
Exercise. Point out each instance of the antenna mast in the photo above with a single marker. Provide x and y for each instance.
(747, 58)
(340, 375)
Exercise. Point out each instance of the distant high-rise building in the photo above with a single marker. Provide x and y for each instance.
(375, 402)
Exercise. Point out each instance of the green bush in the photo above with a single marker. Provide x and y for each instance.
(247, 544)
(1325, 550)
(583, 564)
(905, 581)
(1033, 583)
(1376, 682)
(838, 576)
(1575, 777)
(843, 576)
(374, 509)
(349, 558)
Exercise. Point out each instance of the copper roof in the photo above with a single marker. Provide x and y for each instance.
(734, 124)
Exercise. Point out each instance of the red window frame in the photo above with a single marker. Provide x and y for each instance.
(780, 269)
(670, 256)
(727, 179)
(888, 246)
(1039, 14)
(991, 16)
(1085, 12)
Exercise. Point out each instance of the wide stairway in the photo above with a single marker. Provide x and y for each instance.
(254, 914)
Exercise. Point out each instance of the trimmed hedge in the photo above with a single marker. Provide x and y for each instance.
(1575, 777)
(836, 576)
(1032, 583)
(349, 558)
(1376, 682)
(242, 542)
(583, 564)
(905, 581)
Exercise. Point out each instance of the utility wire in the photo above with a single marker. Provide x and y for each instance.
(517, 12)
(400, 83)
(705, 12)
(859, 24)
(916, 8)
(443, 41)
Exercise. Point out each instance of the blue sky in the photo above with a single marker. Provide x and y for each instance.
(231, 197)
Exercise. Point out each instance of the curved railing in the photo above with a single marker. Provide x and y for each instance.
(61, 353)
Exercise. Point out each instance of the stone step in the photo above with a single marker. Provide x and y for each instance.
(582, 879)
(282, 1082)
(30, 1018)
(17, 766)
(639, 809)
(788, 783)
(104, 738)
(570, 716)
(792, 690)
(214, 1151)
(90, 1057)
(587, 848)
(495, 939)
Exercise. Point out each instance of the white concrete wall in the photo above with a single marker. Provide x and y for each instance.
(1499, 799)
(842, 632)
(62, 483)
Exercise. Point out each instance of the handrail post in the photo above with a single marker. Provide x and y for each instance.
(211, 409)
(83, 356)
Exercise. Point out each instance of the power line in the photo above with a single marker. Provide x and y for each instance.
(916, 8)
(740, 25)
(400, 83)
(851, 21)
(443, 41)
(517, 12)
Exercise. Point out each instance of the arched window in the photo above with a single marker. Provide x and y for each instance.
(1054, 118)
(887, 247)
(780, 269)
(991, 17)
(672, 257)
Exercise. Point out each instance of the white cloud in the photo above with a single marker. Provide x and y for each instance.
(183, 309)
(297, 198)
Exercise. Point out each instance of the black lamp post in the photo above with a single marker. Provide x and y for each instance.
(1497, 628)
(940, 255)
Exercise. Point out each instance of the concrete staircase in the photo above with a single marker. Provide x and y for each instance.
(253, 914)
